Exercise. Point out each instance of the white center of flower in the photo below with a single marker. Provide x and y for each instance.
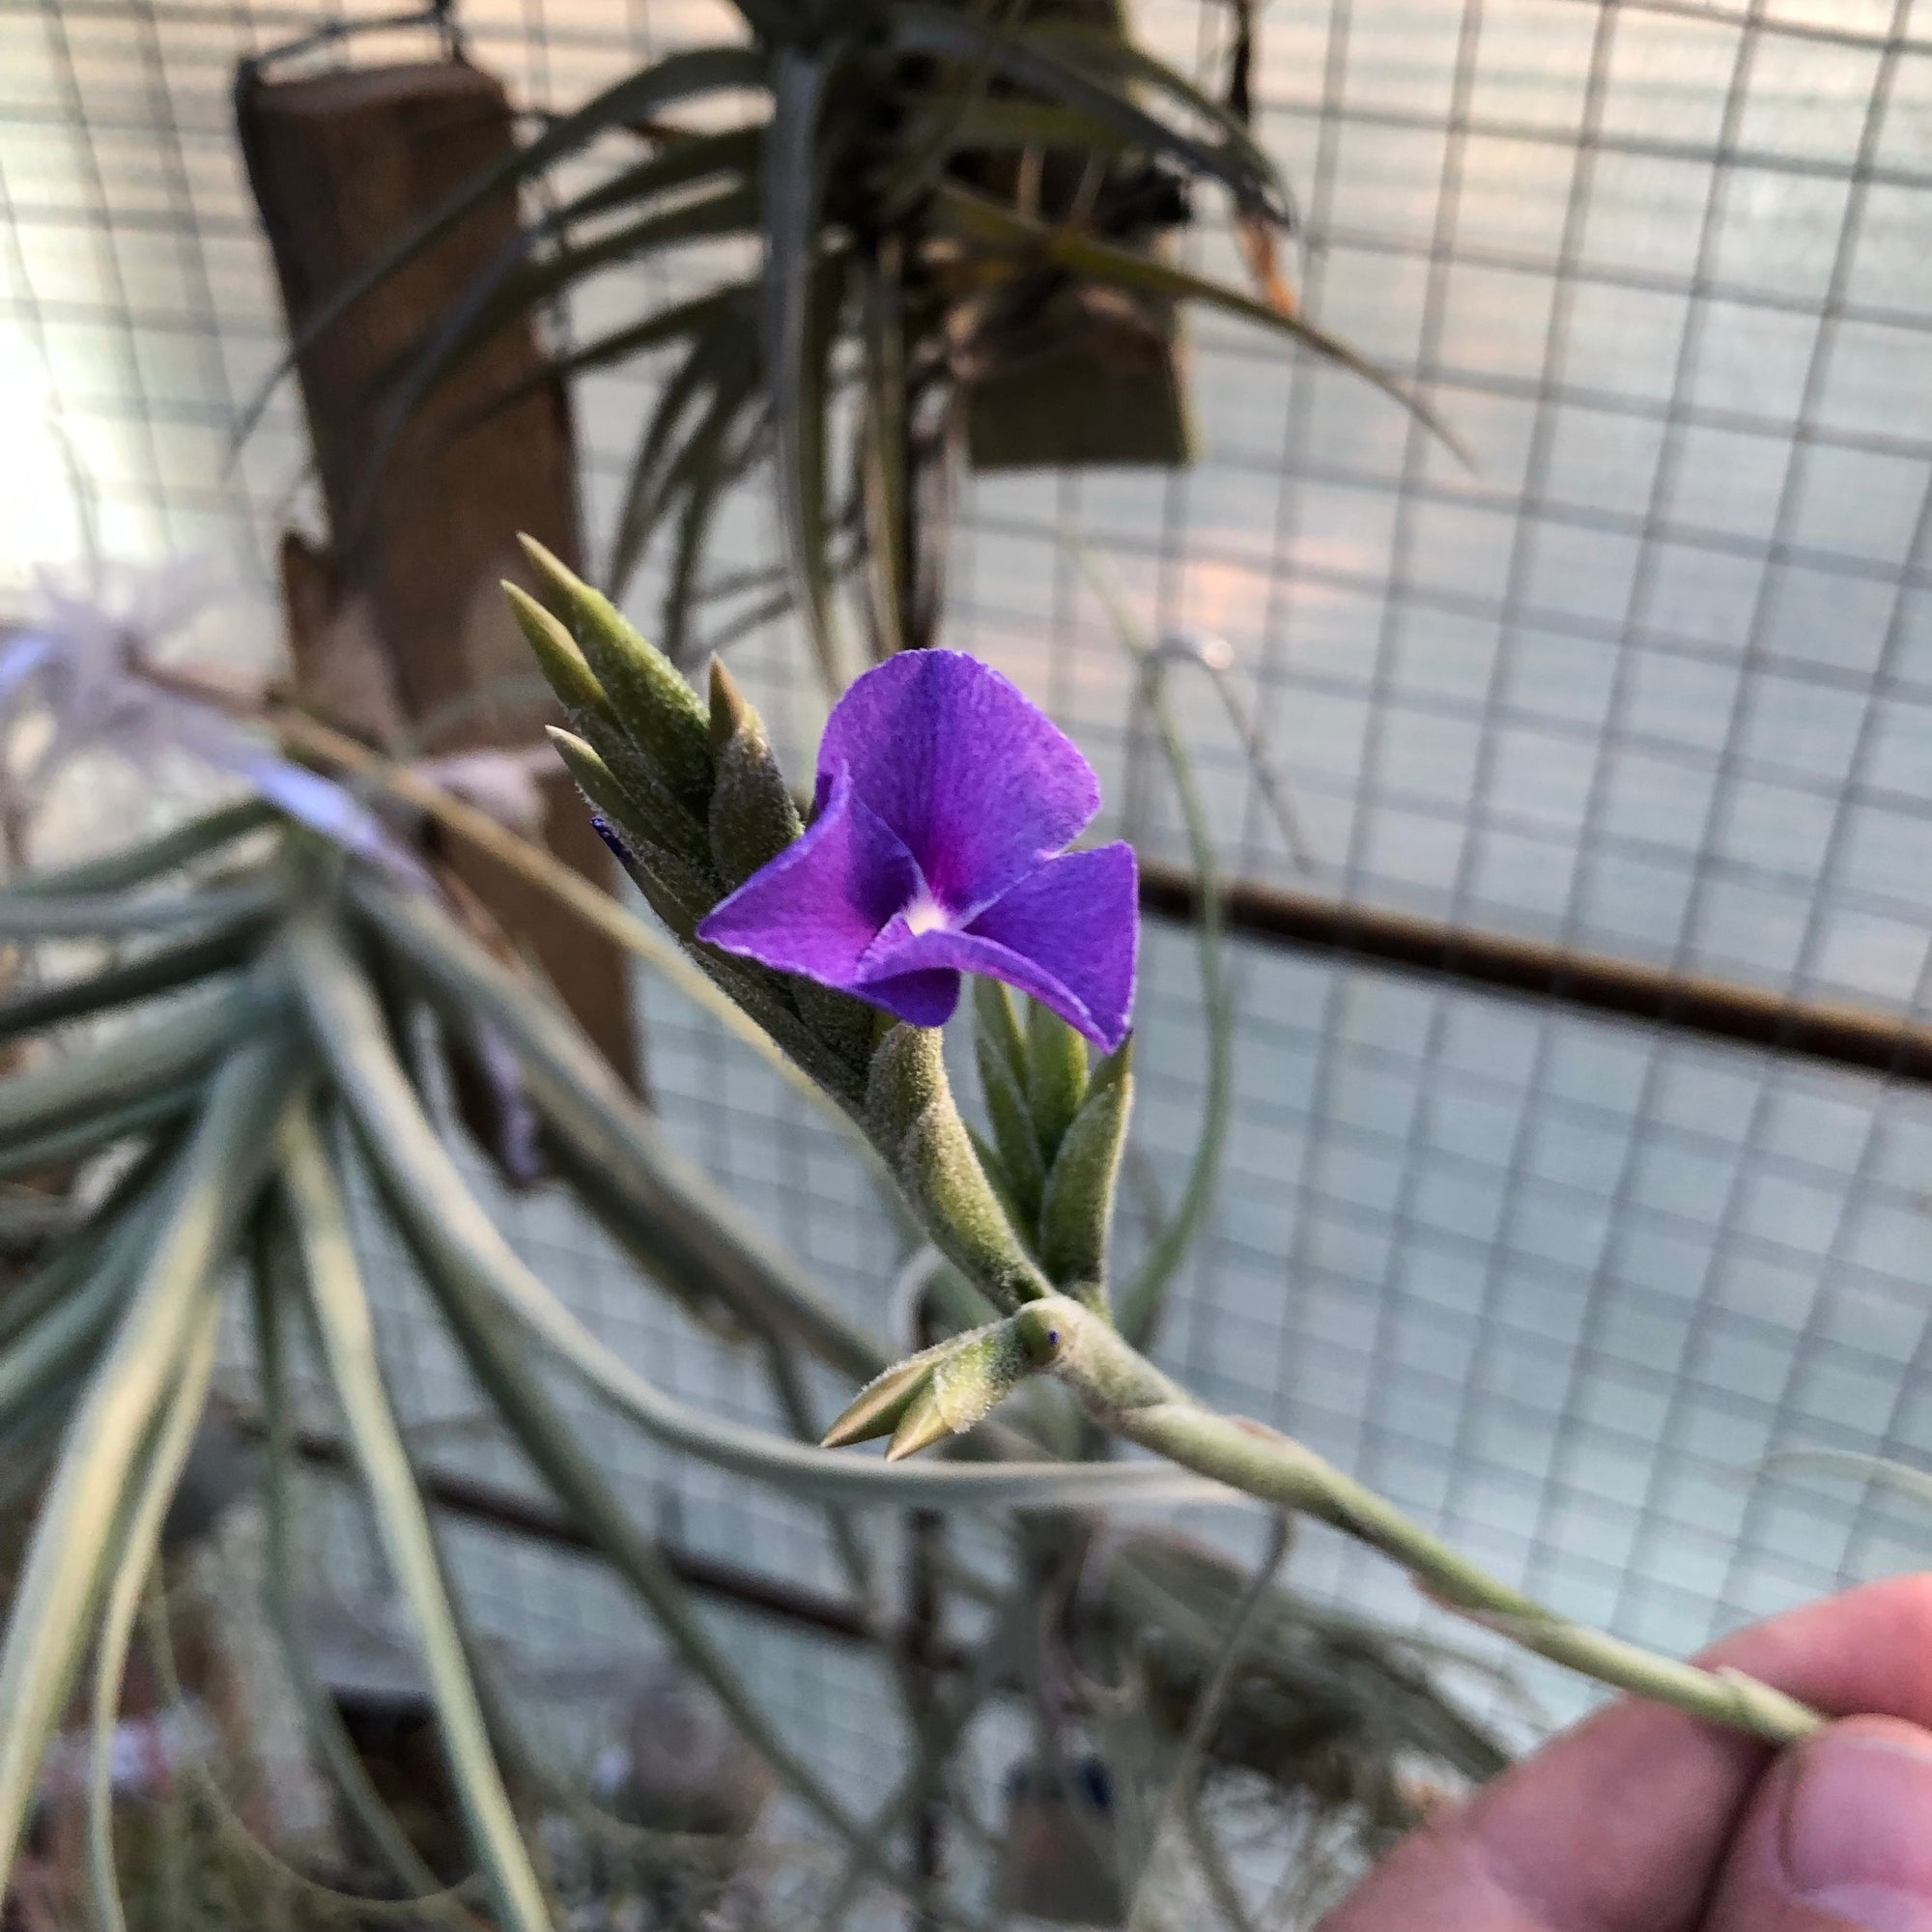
(924, 914)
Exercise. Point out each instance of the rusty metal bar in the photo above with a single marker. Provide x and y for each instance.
(1860, 1038)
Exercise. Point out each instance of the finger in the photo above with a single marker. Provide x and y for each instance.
(1837, 1836)
(1620, 1825)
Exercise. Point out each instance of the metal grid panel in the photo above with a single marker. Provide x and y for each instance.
(1653, 677)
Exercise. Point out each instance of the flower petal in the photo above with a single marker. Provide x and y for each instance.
(923, 999)
(819, 905)
(977, 781)
(1067, 935)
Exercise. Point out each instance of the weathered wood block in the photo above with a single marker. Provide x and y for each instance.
(404, 624)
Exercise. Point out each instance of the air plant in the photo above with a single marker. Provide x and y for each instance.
(260, 1066)
(961, 219)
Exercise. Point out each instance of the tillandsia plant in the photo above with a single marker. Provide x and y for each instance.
(961, 216)
(266, 985)
(940, 793)
(243, 1060)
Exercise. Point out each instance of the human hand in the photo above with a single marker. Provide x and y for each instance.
(1644, 1820)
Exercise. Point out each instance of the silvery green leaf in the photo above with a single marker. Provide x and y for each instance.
(131, 1067)
(173, 1438)
(113, 915)
(136, 864)
(341, 1307)
(102, 1127)
(455, 1235)
(273, 1264)
(1078, 1206)
(156, 971)
(48, 1620)
(915, 1123)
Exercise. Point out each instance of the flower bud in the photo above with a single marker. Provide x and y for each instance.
(648, 694)
(680, 890)
(752, 816)
(1056, 1076)
(1016, 1142)
(1077, 1207)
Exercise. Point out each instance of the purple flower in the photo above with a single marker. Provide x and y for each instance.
(944, 808)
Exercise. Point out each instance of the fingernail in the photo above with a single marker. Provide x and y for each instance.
(1858, 1827)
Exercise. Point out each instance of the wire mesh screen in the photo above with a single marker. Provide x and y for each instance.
(1650, 676)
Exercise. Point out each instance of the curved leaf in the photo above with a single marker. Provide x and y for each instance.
(137, 865)
(487, 311)
(48, 1622)
(91, 1131)
(446, 1221)
(58, 1346)
(976, 218)
(704, 470)
(139, 1543)
(498, 294)
(922, 29)
(1086, 42)
(794, 344)
(272, 1253)
(489, 1347)
(637, 338)
(1140, 1302)
(112, 915)
(163, 970)
(644, 491)
(128, 1067)
(885, 483)
(321, 1225)
(585, 1102)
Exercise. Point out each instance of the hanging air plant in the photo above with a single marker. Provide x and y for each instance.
(962, 222)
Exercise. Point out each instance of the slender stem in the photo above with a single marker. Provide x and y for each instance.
(1177, 1802)
(1127, 1394)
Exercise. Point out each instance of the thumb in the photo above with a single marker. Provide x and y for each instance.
(1837, 1837)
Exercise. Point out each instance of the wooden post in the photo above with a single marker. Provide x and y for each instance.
(404, 620)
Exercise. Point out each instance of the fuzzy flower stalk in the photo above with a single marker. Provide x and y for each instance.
(939, 846)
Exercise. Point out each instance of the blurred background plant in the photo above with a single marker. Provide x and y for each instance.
(962, 221)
